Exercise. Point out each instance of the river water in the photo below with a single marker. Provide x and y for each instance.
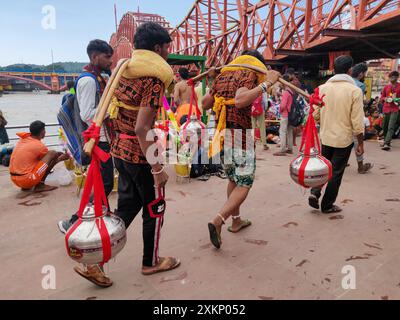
(23, 108)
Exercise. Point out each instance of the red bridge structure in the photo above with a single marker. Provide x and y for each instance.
(300, 32)
(53, 82)
(307, 34)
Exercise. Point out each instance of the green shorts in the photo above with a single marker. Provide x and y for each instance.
(240, 167)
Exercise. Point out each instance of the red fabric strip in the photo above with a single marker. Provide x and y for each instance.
(94, 182)
(302, 171)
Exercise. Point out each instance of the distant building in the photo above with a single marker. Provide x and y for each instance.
(122, 40)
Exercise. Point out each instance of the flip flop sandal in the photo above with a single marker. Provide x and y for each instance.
(367, 167)
(245, 224)
(165, 264)
(222, 175)
(204, 178)
(313, 202)
(334, 209)
(215, 237)
(87, 276)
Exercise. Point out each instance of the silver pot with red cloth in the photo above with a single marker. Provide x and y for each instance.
(192, 128)
(310, 169)
(85, 244)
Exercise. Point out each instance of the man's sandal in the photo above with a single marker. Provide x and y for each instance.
(215, 237)
(366, 168)
(245, 224)
(313, 201)
(333, 209)
(95, 275)
(165, 264)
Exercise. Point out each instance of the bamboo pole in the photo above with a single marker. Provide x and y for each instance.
(105, 101)
(257, 69)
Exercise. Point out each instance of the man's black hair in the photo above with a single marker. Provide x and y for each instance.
(290, 71)
(183, 120)
(99, 46)
(36, 128)
(343, 64)
(254, 53)
(358, 69)
(149, 34)
(394, 74)
(184, 73)
(70, 84)
(287, 77)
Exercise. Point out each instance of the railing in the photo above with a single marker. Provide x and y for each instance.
(27, 127)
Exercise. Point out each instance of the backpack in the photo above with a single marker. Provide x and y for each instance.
(199, 169)
(296, 114)
(70, 120)
(257, 107)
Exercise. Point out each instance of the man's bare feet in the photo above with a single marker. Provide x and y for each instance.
(63, 157)
(41, 187)
(238, 224)
(25, 193)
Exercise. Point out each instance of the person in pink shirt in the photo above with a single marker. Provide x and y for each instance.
(286, 130)
(390, 108)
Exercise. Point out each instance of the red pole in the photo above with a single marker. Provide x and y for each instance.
(225, 27)
(209, 28)
(197, 51)
(271, 27)
(307, 28)
(320, 5)
(244, 25)
(186, 37)
(362, 10)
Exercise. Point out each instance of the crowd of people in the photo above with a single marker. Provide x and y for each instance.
(242, 98)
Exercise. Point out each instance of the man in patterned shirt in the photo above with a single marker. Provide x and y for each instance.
(239, 88)
(141, 179)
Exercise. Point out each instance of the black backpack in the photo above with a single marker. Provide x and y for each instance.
(296, 114)
(200, 169)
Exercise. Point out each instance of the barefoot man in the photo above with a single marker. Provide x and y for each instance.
(234, 90)
(31, 161)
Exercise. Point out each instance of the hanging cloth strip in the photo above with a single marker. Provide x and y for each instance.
(193, 105)
(219, 108)
(193, 102)
(94, 182)
(221, 103)
(310, 139)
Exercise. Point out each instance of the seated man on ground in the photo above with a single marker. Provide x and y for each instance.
(31, 161)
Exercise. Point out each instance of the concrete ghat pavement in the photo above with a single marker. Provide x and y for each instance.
(290, 252)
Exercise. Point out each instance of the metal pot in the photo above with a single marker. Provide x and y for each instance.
(317, 171)
(194, 127)
(85, 245)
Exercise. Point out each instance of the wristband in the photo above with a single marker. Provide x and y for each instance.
(263, 87)
(157, 173)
